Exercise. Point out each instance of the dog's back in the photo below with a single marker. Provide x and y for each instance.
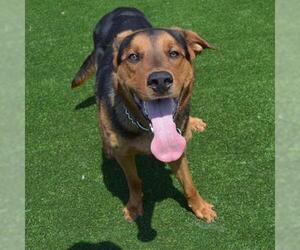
(113, 23)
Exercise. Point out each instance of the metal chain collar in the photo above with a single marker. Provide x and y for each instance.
(136, 123)
(140, 126)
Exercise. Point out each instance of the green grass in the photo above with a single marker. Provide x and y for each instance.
(232, 163)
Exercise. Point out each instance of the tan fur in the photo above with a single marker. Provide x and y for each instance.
(135, 76)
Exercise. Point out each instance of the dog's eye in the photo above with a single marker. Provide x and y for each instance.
(173, 54)
(134, 58)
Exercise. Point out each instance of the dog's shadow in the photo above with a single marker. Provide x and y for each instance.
(90, 101)
(104, 245)
(157, 186)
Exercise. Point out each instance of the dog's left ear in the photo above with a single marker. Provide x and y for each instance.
(117, 43)
(196, 44)
(120, 37)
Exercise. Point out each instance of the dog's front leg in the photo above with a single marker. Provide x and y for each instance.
(134, 206)
(200, 207)
(196, 124)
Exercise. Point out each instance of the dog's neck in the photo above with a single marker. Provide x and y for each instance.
(130, 123)
(126, 121)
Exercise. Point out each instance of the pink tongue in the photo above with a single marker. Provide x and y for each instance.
(167, 144)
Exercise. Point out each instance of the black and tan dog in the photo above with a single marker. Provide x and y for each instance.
(144, 80)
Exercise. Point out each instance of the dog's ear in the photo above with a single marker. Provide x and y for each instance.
(120, 37)
(196, 44)
(117, 43)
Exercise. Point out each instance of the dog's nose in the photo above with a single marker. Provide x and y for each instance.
(160, 81)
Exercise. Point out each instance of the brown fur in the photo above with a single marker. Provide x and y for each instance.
(155, 58)
(133, 78)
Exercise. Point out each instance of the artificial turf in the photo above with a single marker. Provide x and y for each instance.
(74, 195)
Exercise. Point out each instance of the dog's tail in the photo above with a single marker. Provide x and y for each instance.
(86, 70)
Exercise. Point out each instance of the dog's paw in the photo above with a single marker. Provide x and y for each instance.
(203, 210)
(132, 211)
(197, 124)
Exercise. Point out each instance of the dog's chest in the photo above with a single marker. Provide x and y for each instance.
(114, 142)
(140, 145)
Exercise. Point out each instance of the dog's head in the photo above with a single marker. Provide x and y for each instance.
(156, 63)
(153, 72)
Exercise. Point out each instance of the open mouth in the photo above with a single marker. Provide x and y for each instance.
(170, 106)
(168, 144)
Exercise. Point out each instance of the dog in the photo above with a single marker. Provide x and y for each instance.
(144, 81)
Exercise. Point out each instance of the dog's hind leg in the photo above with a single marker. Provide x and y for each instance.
(200, 207)
(134, 206)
